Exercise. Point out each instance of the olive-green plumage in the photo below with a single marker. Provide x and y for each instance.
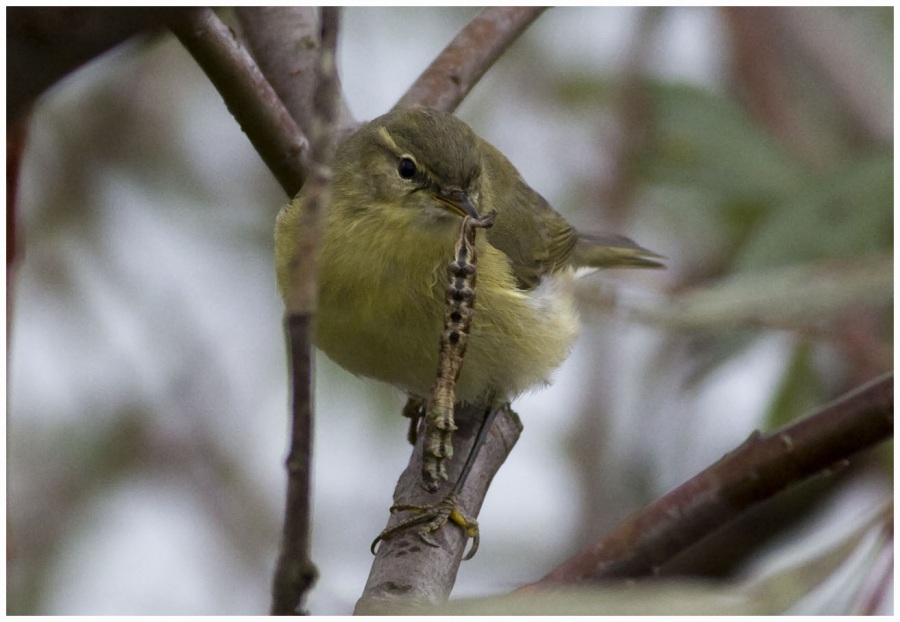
(402, 184)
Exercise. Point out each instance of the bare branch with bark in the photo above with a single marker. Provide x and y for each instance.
(250, 98)
(285, 43)
(760, 468)
(406, 571)
(459, 67)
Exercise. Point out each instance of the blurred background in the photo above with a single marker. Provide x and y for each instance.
(147, 385)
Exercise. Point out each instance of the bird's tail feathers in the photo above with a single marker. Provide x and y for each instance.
(607, 250)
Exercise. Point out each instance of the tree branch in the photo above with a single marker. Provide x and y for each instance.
(459, 67)
(285, 42)
(406, 572)
(249, 97)
(295, 573)
(761, 467)
(46, 43)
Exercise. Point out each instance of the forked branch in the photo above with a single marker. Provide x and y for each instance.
(248, 95)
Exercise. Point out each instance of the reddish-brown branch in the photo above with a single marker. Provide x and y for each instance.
(248, 95)
(459, 67)
(755, 471)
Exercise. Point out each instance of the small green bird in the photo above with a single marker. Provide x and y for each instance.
(401, 186)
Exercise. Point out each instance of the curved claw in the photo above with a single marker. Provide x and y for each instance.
(476, 540)
(429, 519)
(470, 527)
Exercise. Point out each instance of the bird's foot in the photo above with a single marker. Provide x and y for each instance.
(427, 519)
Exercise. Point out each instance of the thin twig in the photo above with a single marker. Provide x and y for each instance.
(761, 467)
(249, 97)
(459, 67)
(295, 573)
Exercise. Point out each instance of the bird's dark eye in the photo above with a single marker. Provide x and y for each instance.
(406, 168)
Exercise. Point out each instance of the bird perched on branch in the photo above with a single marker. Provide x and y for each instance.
(401, 186)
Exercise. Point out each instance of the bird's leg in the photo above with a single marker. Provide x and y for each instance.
(438, 411)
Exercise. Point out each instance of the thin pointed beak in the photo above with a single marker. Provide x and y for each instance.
(458, 202)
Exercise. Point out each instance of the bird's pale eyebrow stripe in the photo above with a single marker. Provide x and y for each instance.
(386, 136)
